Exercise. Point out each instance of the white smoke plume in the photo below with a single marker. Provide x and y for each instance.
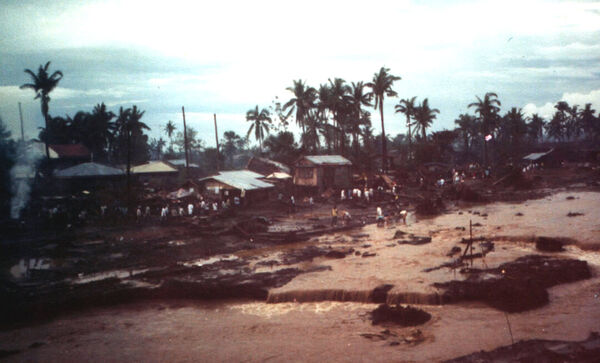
(22, 175)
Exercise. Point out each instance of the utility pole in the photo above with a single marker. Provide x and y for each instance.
(185, 144)
(216, 138)
(21, 116)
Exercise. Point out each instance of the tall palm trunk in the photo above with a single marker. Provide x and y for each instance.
(409, 137)
(383, 138)
(44, 104)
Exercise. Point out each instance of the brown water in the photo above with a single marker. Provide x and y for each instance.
(331, 331)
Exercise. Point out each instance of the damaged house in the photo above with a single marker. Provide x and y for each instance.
(320, 172)
(266, 166)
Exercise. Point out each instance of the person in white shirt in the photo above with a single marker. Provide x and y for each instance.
(190, 209)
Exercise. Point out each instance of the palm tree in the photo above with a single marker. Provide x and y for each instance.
(514, 127)
(487, 109)
(382, 86)
(303, 100)
(324, 105)
(130, 129)
(260, 124)
(407, 107)
(101, 127)
(555, 128)
(170, 129)
(339, 105)
(467, 127)
(358, 98)
(424, 117)
(42, 84)
(536, 127)
(588, 120)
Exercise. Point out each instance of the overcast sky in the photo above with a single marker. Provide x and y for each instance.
(225, 57)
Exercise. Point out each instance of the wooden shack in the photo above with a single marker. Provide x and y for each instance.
(320, 172)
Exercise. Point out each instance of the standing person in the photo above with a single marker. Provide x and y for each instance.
(343, 195)
(334, 215)
(292, 204)
(138, 214)
(190, 209)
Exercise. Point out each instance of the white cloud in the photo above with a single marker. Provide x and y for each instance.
(547, 109)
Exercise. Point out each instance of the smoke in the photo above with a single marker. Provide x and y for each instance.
(23, 174)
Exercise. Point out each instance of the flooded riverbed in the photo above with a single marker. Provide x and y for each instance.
(342, 331)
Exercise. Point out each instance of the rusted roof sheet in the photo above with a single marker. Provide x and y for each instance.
(71, 151)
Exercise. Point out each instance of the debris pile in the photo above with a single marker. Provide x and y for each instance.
(515, 286)
(405, 316)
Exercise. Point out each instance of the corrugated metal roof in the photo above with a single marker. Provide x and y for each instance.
(181, 162)
(241, 179)
(153, 167)
(537, 156)
(278, 175)
(328, 160)
(88, 170)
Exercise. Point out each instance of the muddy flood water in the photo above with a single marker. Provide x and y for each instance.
(299, 324)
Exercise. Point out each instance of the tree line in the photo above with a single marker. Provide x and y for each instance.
(333, 118)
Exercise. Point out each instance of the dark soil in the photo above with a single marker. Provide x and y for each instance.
(518, 285)
(404, 316)
(549, 244)
(538, 350)
(415, 241)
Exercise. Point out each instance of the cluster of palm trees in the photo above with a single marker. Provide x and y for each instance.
(334, 113)
(116, 138)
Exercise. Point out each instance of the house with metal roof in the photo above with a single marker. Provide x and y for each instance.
(320, 172)
(155, 172)
(236, 183)
(89, 170)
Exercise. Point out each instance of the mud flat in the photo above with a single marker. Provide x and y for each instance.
(357, 270)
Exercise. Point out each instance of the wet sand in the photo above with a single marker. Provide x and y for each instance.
(331, 331)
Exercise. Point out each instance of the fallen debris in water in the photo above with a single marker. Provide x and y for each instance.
(404, 316)
(515, 286)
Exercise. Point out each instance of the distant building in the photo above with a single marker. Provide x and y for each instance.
(548, 158)
(266, 166)
(236, 183)
(89, 176)
(155, 172)
(321, 172)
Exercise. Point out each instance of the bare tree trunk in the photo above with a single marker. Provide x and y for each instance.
(383, 138)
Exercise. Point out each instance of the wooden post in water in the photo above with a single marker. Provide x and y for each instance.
(185, 144)
(217, 139)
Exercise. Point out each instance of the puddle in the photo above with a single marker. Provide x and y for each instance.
(120, 274)
(210, 261)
